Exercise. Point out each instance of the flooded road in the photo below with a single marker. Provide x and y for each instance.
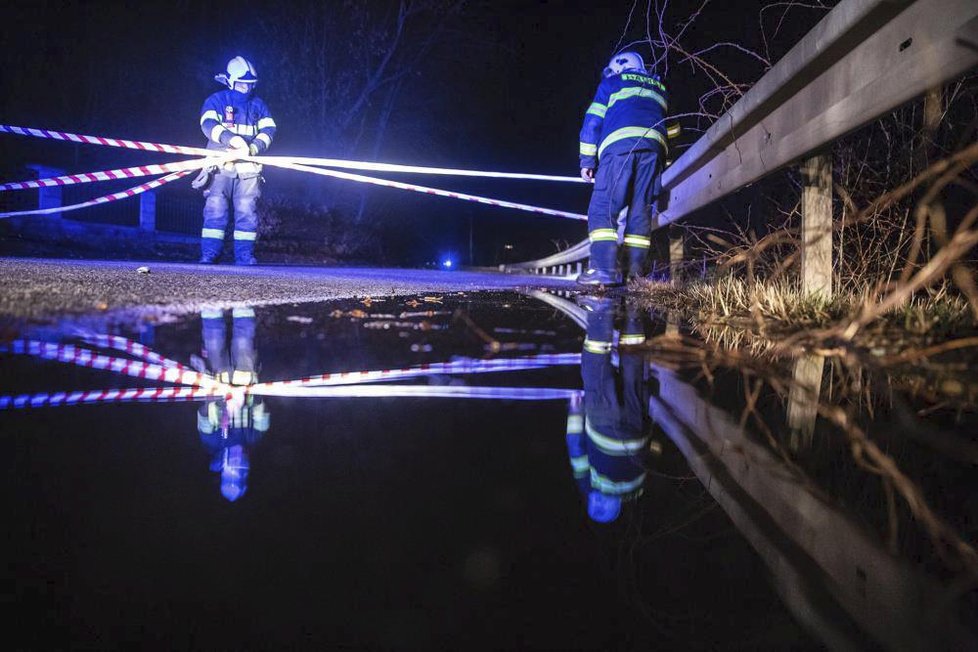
(470, 470)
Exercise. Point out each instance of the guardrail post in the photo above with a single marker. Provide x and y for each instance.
(147, 211)
(676, 253)
(816, 225)
(48, 197)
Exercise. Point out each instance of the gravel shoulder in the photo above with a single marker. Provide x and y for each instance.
(47, 291)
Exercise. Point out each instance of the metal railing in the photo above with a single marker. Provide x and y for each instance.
(866, 57)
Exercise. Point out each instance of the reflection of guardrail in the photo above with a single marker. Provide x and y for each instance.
(832, 573)
(863, 59)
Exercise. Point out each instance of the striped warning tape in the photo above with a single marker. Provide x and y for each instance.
(99, 140)
(104, 199)
(58, 399)
(303, 160)
(108, 175)
(287, 163)
(425, 189)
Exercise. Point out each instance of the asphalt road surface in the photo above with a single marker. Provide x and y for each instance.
(44, 290)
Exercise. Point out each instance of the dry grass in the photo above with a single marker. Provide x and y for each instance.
(734, 312)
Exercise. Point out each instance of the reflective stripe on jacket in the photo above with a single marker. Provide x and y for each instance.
(627, 114)
(227, 114)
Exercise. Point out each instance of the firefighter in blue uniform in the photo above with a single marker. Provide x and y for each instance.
(236, 120)
(622, 143)
(608, 431)
(229, 428)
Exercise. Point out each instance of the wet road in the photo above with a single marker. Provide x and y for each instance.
(464, 471)
(45, 289)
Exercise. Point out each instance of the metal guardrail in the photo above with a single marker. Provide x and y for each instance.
(866, 57)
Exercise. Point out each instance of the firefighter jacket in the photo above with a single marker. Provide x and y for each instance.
(227, 114)
(628, 114)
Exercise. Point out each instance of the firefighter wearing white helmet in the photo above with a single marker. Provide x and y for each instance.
(622, 143)
(236, 120)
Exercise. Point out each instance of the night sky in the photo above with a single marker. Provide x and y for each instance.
(499, 85)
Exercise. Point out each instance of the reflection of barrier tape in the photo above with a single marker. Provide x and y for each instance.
(123, 194)
(456, 367)
(303, 160)
(58, 399)
(108, 175)
(71, 354)
(202, 386)
(432, 391)
(166, 394)
(132, 348)
(424, 189)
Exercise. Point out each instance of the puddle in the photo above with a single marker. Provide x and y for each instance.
(465, 470)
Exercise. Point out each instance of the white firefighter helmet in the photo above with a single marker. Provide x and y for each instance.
(239, 70)
(624, 61)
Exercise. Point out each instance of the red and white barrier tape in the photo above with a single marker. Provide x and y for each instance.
(425, 189)
(415, 169)
(71, 354)
(109, 142)
(303, 160)
(108, 175)
(122, 194)
(104, 199)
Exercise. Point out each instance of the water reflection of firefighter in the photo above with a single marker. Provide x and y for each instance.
(608, 431)
(230, 428)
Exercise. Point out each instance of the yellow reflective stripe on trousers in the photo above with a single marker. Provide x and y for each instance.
(580, 463)
(638, 241)
(596, 346)
(632, 132)
(603, 235)
(636, 91)
(608, 486)
(632, 338)
(617, 447)
(212, 233)
(597, 109)
(588, 149)
(211, 313)
(245, 235)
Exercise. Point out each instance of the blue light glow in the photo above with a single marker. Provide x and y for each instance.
(447, 263)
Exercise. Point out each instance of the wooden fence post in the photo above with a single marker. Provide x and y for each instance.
(816, 225)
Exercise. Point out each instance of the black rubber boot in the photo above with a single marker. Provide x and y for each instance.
(244, 252)
(636, 258)
(210, 250)
(602, 271)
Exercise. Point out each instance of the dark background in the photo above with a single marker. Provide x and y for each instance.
(496, 86)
